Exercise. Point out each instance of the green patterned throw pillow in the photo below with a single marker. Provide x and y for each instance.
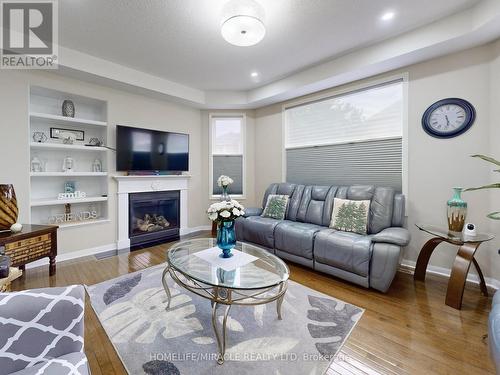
(275, 206)
(350, 216)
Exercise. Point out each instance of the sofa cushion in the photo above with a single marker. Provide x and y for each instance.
(73, 363)
(347, 251)
(276, 206)
(296, 238)
(350, 216)
(316, 204)
(260, 230)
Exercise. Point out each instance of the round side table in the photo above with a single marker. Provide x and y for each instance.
(465, 256)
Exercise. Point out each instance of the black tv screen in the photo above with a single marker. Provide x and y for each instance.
(151, 150)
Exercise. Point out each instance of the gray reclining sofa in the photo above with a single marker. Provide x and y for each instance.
(304, 237)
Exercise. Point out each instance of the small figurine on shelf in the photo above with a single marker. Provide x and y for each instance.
(95, 142)
(97, 166)
(68, 164)
(36, 165)
(39, 137)
(69, 187)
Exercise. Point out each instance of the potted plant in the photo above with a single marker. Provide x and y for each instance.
(224, 213)
(493, 215)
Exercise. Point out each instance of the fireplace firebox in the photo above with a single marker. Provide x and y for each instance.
(154, 217)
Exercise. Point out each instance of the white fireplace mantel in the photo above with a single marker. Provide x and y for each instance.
(141, 184)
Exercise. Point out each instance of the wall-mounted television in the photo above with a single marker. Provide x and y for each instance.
(151, 150)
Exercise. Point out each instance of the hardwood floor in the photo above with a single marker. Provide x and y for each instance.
(406, 331)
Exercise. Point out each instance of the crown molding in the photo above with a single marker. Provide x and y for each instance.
(469, 28)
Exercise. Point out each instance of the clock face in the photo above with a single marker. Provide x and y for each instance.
(448, 118)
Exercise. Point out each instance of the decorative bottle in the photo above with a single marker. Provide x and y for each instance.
(457, 211)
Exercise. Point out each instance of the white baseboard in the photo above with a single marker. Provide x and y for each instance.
(100, 249)
(194, 229)
(442, 271)
(74, 255)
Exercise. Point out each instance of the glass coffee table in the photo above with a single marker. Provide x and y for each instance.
(262, 281)
(468, 246)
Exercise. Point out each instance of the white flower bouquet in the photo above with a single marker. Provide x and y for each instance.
(224, 181)
(225, 211)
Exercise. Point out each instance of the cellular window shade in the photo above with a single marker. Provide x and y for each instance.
(353, 138)
(229, 165)
(227, 136)
(362, 115)
(375, 162)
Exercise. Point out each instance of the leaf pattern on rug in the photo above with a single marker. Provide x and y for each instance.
(144, 317)
(258, 314)
(264, 346)
(121, 289)
(231, 324)
(203, 340)
(337, 315)
(160, 368)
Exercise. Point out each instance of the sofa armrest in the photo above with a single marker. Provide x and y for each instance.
(396, 236)
(252, 211)
(54, 318)
(384, 265)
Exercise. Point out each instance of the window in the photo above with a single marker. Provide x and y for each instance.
(353, 138)
(227, 152)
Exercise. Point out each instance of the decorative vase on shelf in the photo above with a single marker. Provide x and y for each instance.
(457, 211)
(68, 108)
(226, 237)
(225, 195)
(8, 207)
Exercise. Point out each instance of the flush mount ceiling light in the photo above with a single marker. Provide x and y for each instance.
(388, 16)
(243, 23)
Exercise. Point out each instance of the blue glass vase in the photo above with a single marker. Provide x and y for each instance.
(226, 237)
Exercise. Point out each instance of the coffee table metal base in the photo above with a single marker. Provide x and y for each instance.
(226, 297)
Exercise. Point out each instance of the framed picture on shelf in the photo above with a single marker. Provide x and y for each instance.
(60, 133)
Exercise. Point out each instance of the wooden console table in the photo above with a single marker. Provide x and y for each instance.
(465, 256)
(32, 243)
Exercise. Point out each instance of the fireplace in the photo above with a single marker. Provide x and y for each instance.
(154, 217)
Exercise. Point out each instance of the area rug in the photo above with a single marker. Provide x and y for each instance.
(153, 341)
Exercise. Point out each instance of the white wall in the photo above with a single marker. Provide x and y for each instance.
(123, 108)
(435, 166)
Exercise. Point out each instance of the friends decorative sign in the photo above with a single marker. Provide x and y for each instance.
(72, 217)
(74, 195)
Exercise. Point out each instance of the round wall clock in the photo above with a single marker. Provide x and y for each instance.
(448, 118)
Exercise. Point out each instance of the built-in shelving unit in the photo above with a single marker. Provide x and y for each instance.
(53, 202)
(91, 119)
(62, 146)
(61, 120)
(68, 175)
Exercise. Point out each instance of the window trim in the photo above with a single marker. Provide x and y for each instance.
(211, 117)
(347, 89)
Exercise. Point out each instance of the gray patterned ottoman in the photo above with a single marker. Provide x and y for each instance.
(41, 332)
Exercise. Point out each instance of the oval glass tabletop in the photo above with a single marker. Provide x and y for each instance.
(456, 238)
(268, 270)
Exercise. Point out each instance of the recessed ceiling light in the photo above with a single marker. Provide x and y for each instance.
(254, 74)
(387, 16)
(242, 23)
